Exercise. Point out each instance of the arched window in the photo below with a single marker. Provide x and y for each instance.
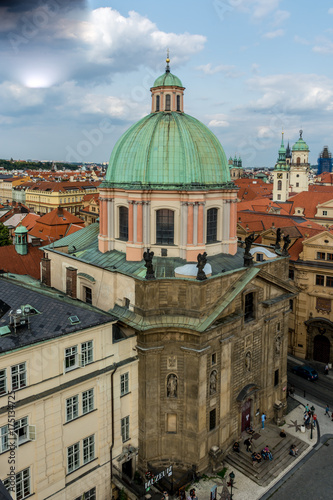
(164, 227)
(123, 223)
(279, 185)
(212, 225)
(178, 102)
(298, 160)
(167, 102)
(157, 103)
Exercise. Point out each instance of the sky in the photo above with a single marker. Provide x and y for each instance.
(74, 75)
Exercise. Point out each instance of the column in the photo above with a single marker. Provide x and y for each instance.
(139, 222)
(200, 224)
(190, 224)
(130, 222)
(135, 221)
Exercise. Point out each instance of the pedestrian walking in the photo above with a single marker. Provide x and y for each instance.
(327, 409)
(314, 418)
(307, 408)
(248, 444)
(263, 418)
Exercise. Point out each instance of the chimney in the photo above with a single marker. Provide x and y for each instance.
(60, 211)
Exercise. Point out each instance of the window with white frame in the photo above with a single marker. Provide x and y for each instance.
(3, 382)
(4, 438)
(87, 352)
(23, 484)
(88, 495)
(73, 457)
(125, 429)
(21, 429)
(124, 384)
(72, 408)
(19, 376)
(71, 358)
(87, 401)
(88, 449)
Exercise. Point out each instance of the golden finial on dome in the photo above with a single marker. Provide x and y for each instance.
(167, 69)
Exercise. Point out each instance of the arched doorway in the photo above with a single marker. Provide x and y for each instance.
(321, 349)
(246, 415)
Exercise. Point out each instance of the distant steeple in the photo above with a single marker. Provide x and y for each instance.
(167, 68)
(282, 152)
(288, 151)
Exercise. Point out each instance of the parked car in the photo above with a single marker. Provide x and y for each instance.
(305, 372)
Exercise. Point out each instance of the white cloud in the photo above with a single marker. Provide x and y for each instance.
(280, 17)
(274, 34)
(324, 46)
(258, 9)
(218, 123)
(229, 71)
(14, 96)
(290, 93)
(302, 41)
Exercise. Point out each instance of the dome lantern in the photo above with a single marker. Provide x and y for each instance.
(167, 92)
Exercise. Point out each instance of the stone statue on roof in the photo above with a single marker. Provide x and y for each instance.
(248, 258)
(148, 257)
(286, 244)
(202, 261)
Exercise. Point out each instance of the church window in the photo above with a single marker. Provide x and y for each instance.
(168, 102)
(329, 281)
(249, 307)
(212, 419)
(157, 108)
(212, 225)
(276, 378)
(123, 223)
(279, 186)
(279, 197)
(297, 184)
(298, 160)
(178, 102)
(164, 227)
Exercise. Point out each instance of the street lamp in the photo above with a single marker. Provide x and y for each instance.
(232, 477)
(312, 413)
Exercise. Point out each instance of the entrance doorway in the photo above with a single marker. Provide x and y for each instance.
(126, 468)
(246, 415)
(321, 349)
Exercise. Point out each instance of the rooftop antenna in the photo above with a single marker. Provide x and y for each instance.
(167, 69)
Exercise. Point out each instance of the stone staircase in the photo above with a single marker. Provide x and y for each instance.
(266, 471)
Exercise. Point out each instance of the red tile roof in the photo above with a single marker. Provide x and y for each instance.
(55, 224)
(12, 262)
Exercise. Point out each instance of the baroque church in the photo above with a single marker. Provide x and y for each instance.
(210, 321)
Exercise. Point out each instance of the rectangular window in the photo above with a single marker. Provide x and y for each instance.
(88, 449)
(22, 430)
(87, 351)
(87, 295)
(320, 255)
(71, 359)
(329, 281)
(320, 279)
(329, 256)
(172, 422)
(214, 358)
(276, 378)
(3, 382)
(291, 274)
(212, 419)
(259, 257)
(88, 495)
(72, 408)
(87, 401)
(324, 212)
(291, 304)
(19, 376)
(249, 307)
(125, 429)
(3, 438)
(124, 384)
(73, 457)
(23, 489)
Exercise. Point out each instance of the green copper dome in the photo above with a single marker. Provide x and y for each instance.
(167, 79)
(168, 151)
(300, 145)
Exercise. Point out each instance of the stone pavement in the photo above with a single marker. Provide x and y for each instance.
(248, 489)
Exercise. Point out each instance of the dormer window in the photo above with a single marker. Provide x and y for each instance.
(178, 102)
(168, 102)
(157, 108)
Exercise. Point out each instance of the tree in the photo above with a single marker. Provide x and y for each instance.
(4, 236)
